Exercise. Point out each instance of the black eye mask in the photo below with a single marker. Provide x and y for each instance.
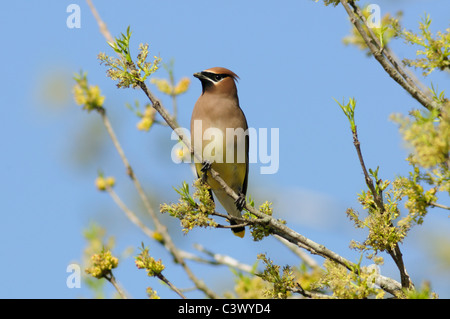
(214, 76)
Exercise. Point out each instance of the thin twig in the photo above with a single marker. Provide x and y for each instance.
(219, 259)
(308, 294)
(103, 29)
(310, 262)
(241, 222)
(165, 280)
(110, 277)
(378, 198)
(130, 214)
(439, 205)
(174, 106)
(127, 165)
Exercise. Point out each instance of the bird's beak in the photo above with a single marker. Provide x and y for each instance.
(199, 75)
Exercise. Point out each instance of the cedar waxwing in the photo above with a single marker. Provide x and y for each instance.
(216, 110)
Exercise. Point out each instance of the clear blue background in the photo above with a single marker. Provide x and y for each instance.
(291, 61)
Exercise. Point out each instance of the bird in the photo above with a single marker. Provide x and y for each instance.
(216, 110)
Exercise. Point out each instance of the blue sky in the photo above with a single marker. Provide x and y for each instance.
(291, 63)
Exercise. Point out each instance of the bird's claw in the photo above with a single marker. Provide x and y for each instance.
(240, 202)
(205, 168)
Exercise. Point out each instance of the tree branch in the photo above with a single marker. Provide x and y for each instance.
(388, 62)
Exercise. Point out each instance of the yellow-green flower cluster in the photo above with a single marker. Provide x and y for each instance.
(158, 237)
(429, 135)
(147, 68)
(165, 87)
(282, 282)
(182, 86)
(103, 183)
(435, 49)
(147, 119)
(123, 69)
(249, 287)
(102, 264)
(417, 203)
(347, 284)
(423, 292)
(87, 95)
(386, 228)
(147, 262)
(190, 212)
(328, 2)
(383, 235)
(152, 294)
(162, 85)
(260, 230)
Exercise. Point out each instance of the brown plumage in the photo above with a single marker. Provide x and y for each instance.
(218, 109)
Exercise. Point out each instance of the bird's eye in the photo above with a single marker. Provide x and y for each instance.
(218, 77)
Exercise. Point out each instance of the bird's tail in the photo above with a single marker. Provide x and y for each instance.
(233, 211)
(230, 206)
(238, 231)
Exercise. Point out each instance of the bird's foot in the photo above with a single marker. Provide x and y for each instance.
(240, 202)
(205, 168)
